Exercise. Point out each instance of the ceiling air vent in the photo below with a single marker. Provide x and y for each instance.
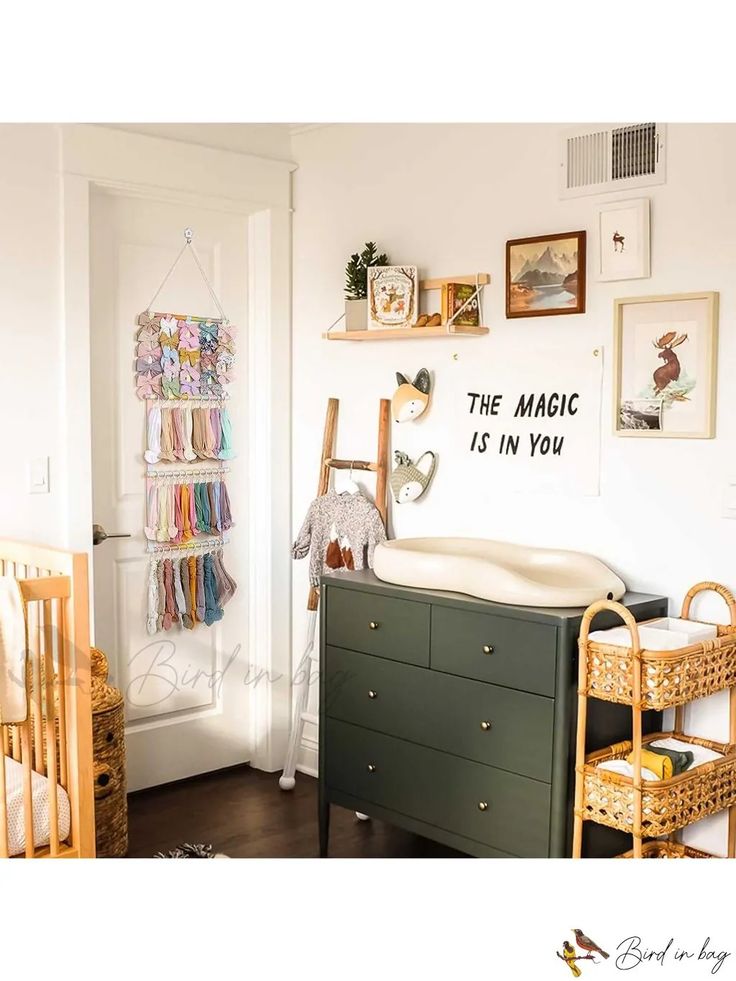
(598, 159)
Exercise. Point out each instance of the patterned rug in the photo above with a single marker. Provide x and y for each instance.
(191, 851)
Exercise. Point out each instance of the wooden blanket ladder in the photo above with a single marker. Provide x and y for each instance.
(328, 463)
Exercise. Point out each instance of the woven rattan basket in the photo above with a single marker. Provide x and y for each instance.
(108, 750)
(667, 849)
(668, 678)
(666, 805)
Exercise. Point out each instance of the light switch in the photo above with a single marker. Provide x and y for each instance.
(38, 475)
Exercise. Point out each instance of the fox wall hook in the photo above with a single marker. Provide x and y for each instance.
(410, 480)
(411, 398)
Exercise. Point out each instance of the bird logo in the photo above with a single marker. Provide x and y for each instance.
(568, 956)
(571, 957)
(585, 943)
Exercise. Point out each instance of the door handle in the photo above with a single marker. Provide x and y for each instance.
(99, 535)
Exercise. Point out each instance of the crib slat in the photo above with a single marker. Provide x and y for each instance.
(3, 803)
(48, 664)
(25, 736)
(35, 644)
(61, 633)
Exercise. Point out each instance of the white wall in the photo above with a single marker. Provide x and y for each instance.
(447, 197)
(31, 366)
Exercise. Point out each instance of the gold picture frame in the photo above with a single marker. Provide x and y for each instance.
(658, 393)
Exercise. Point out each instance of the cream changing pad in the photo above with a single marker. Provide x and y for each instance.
(701, 754)
(16, 809)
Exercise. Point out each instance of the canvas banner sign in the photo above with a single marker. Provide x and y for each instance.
(534, 424)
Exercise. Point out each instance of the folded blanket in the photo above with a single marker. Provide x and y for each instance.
(658, 763)
(681, 761)
(13, 653)
(683, 756)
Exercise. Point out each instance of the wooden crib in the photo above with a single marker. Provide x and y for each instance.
(51, 752)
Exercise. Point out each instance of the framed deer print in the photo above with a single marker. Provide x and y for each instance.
(623, 240)
(665, 365)
(545, 275)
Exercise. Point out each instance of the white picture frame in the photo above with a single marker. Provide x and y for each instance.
(665, 350)
(624, 249)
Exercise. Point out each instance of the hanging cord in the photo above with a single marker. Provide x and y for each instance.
(188, 235)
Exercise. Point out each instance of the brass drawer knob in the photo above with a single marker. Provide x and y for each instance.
(374, 625)
(372, 693)
(371, 767)
(487, 649)
(486, 726)
(482, 805)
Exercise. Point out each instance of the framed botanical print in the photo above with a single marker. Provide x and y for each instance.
(392, 296)
(545, 275)
(665, 365)
(623, 240)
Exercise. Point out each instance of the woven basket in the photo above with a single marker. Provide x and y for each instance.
(667, 805)
(667, 849)
(108, 751)
(668, 678)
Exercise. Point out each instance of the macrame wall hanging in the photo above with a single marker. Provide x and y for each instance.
(183, 367)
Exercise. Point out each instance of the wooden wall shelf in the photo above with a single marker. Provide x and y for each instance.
(415, 333)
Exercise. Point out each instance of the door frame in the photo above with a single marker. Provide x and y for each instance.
(260, 189)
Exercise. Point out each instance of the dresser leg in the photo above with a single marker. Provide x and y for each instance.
(324, 827)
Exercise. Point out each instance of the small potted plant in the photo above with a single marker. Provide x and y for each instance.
(356, 285)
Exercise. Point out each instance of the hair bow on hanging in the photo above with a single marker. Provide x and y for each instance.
(148, 386)
(148, 334)
(226, 333)
(189, 380)
(148, 364)
(169, 340)
(169, 326)
(227, 346)
(170, 387)
(188, 335)
(208, 361)
(153, 323)
(208, 337)
(149, 347)
(224, 368)
(170, 361)
(209, 384)
(187, 357)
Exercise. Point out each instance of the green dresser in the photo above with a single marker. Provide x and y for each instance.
(455, 718)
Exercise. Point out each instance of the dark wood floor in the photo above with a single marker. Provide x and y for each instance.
(243, 813)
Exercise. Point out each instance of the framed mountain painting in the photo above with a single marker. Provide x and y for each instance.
(545, 275)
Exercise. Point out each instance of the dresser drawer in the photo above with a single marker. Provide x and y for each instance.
(393, 628)
(504, 651)
(486, 723)
(440, 789)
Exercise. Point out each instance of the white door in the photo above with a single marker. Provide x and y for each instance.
(185, 690)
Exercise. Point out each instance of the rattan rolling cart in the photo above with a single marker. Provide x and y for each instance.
(655, 680)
